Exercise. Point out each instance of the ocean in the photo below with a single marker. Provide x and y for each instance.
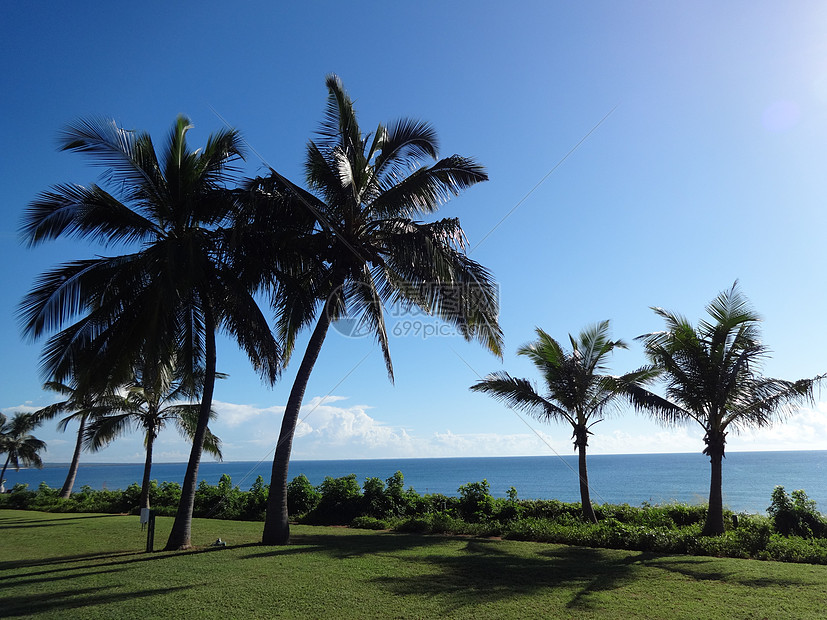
(749, 477)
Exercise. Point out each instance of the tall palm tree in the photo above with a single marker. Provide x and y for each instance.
(81, 404)
(153, 399)
(577, 389)
(17, 442)
(171, 290)
(713, 377)
(365, 193)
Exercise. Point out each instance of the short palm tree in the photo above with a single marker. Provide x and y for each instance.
(18, 444)
(170, 290)
(153, 399)
(577, 389)
(712, 375)
(366, 192)
(81, 404)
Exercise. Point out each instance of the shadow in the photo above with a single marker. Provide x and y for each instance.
(73, 599)
(32, 525)
(29, 523)
(697, 568)
(65, 559)
(23, 580)
(348, 546)
(488, 572)
(597, 570)
(103, 560)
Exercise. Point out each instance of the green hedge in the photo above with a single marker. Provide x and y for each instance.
(794, 531)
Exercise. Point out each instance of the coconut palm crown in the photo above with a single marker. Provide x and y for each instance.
(578, 389)
(17, 442)
(712, 376)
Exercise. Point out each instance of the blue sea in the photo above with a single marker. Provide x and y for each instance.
(749, 477)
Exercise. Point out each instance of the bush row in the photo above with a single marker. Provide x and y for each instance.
(794, 531)
(223, 501)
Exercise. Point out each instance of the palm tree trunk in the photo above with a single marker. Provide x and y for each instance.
(581, 435)
(150, 439)
(276, 523)
(714, 525)
(66, 491)
(3, 473)
(179, 537)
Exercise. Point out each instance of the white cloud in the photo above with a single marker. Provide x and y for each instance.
(805, 430)
(233, 415)
(659, 440)
(329, 428)
(9, 411)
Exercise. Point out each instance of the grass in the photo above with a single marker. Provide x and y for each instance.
(93, 566)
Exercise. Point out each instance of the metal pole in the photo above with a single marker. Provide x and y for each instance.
(150, 532)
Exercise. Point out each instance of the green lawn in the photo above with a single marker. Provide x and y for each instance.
(94, 566)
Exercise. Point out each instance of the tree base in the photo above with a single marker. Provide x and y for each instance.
(280, 536)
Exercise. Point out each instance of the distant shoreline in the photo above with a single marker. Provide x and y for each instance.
(420, 458)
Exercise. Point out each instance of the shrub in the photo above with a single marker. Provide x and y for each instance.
(369, 523)
(341, 499)
(417, 525)
(796, 515)
(475, 501)
(795, 549)
(255, 501)
(376, 502)
(167, 498)
(302, 497)
(18, 498)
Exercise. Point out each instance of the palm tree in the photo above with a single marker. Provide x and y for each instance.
(367, 191)
(152, 400)
(83, 405)
(17, 442)
(712, 375)
(171, 293)
(578, 390)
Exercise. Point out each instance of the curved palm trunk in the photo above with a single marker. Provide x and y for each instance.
(150, 439)
(3, 473)
(276, 523)
(179, 537)
(66, 491)
(581, 441)
(714, 525)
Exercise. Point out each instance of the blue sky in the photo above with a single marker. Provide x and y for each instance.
(709, 167)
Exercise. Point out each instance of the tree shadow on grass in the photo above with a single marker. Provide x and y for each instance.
(344, 546)
(29, 579)
(17, 523)
(12, 565)
(705, 569)
(73, 599)
(488, 571)
(71, 563)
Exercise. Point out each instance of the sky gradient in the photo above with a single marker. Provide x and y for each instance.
(640, 154)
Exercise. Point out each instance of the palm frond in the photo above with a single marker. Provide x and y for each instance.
(85, 213)
(127, 156)
(423, 266)
(426, 189)
(104, 430)
(365, 304)
(187, 423)
(405, 144)
(521, 395)
(339, 127)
